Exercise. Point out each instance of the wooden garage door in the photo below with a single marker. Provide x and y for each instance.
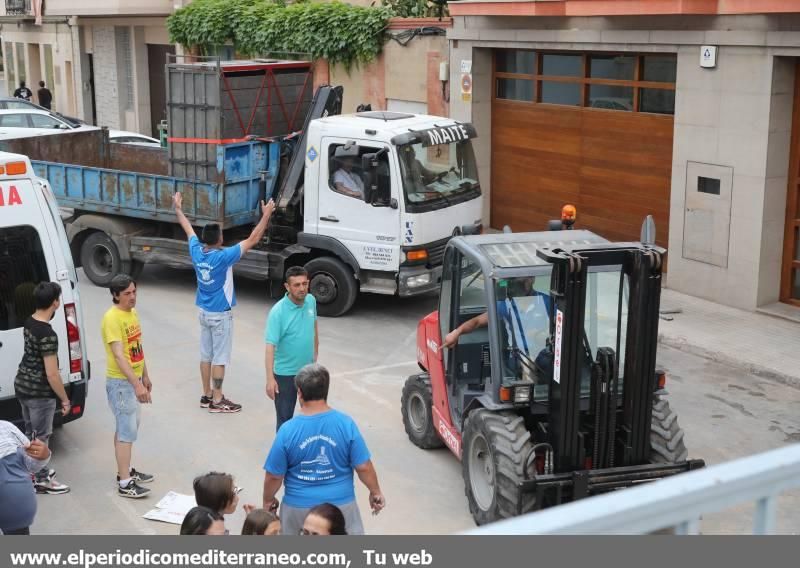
(597, 149)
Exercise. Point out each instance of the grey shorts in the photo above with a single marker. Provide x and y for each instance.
(38, 414)
(216, 337)
(292, 518)
(126, 408)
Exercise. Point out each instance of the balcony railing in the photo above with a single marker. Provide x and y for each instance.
(18, 8)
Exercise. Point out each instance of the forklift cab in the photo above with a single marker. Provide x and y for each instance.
(502, 276)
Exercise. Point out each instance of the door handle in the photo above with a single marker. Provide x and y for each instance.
(330, 219)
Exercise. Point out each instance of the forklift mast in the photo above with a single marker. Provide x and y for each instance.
(609, 444)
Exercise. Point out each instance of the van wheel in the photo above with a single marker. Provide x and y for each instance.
(100, 258)
(332, 285)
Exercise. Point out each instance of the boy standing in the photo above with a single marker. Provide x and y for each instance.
(128, 382)
(38, 382)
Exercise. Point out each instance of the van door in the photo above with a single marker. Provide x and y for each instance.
(371, 233)
(26, 258)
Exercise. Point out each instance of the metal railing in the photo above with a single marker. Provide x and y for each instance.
(18, 7)
(677, 502)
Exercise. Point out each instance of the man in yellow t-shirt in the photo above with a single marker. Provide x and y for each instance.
(128, 383)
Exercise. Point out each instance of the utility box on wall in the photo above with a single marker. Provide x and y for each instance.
(707, 213)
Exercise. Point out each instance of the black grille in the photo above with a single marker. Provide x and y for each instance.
(436, 252)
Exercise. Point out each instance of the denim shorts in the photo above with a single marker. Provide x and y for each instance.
(216, 337)
(126, 408)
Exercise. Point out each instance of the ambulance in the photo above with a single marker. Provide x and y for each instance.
(34, 248)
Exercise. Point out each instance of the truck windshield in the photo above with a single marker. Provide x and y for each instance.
(438, 176)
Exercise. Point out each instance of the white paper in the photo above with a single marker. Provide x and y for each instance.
(172, 508)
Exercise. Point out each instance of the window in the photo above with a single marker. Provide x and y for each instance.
(560, 93)
(8, 56)
(49, 70)
(515, 89)
(346, 175)
(20, 63)
(657, 100)
(515, 61)
(562, 65)
(22, 266)
(620, 67)
(20, 104)
(708, 185)
(14, 120)
(659, 68)
(626, 82)
(611, 97)
(45, 121)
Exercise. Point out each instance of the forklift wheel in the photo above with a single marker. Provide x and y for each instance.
(666, 437)
(493, 461)
(417, 404)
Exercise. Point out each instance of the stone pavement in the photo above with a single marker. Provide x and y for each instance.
(761, 344)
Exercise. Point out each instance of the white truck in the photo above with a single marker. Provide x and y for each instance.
(415, 185)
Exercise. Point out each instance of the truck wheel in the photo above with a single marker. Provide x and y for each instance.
(666, 437)
(332, 285)
(494, 448)
(100, 258)
(417, 407)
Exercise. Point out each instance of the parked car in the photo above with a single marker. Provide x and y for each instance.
(134, 138)
(14, 103)
(27, 122)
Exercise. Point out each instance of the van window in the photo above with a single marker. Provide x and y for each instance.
(22, 267)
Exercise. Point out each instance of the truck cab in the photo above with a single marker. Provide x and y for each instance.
(389, 189)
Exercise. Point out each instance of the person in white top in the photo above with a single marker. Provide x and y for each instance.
(346, 181)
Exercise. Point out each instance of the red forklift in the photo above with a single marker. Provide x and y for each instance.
(538, 371)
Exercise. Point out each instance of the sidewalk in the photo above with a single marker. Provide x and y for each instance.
(761, 344)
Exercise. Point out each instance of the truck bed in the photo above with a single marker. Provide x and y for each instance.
(175, 253)
(231, 202)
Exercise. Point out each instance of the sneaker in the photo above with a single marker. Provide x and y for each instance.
(205, 401)
(140, 477)
(50, 486)
(225, 406)
(132, 490)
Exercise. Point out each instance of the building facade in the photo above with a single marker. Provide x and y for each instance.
(102, 60)
(687, 111)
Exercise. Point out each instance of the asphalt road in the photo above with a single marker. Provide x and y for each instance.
(726, 413)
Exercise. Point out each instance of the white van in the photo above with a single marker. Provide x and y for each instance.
(34, 248)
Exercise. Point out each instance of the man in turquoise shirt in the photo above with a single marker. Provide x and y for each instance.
(292, 340)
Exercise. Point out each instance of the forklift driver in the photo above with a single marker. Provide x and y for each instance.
(525, 314)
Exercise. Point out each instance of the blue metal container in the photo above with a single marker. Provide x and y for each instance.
(231, 203)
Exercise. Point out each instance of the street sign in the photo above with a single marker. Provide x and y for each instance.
(466, 87)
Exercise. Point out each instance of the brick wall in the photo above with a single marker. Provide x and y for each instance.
(106, 80)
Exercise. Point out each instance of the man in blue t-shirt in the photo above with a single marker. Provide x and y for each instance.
(292, 341)
(524, 313)
(314, 455)
(213, 265)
